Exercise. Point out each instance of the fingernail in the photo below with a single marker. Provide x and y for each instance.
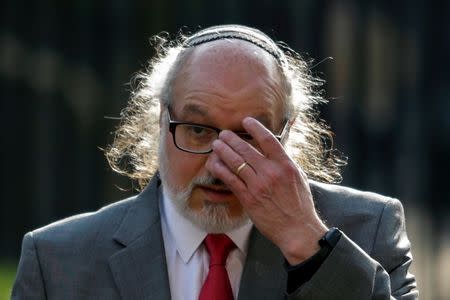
(215, 143)
(248, 120)
(223, 133)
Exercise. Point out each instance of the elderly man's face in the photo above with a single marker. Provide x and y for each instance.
(219, 85)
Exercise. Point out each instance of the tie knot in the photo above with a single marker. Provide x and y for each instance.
(218, 247)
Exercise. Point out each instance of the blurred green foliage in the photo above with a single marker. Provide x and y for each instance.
(7, 275)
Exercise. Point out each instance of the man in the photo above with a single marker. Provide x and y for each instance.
(230, 214)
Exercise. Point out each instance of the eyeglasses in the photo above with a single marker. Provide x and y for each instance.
(198, 138)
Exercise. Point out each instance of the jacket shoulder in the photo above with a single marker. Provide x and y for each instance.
(359, 214)
(85, 225)
(342, 198)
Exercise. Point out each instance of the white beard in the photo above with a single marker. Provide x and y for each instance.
(213, 217)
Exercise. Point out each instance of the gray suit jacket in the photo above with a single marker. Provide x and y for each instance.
(118, 253)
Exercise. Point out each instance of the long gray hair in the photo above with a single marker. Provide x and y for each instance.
(134, 151)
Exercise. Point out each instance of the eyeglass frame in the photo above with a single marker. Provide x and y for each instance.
(243, 135)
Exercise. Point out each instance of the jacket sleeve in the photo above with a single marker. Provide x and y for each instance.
(350, 273)
(29, 283)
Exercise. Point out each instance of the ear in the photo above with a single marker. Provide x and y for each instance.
(285, 138)
(161, 113)
(293, 119)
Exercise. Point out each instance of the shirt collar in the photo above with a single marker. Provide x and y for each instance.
(188, 237)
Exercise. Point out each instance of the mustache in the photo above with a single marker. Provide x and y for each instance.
(207, 180)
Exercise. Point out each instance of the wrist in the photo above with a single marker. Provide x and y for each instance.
(298, 250)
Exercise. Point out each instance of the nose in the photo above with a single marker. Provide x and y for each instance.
(211, 161)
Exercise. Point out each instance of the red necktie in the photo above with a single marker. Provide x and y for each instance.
(217, 284)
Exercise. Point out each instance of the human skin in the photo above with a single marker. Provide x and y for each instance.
(236, 86)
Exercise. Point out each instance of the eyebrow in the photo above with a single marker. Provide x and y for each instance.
(203, 112)
(194, 109)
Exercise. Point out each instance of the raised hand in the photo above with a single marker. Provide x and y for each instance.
(272, 189)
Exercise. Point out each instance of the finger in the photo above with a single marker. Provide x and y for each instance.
(219, 170)
(249, 153)
(233, 161)
(268, 143)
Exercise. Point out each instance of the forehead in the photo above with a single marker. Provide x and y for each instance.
(229, 77)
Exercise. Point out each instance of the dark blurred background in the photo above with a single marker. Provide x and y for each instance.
(65, 65)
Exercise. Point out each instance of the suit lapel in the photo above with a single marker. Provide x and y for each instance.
(139, 269)
(263, 276)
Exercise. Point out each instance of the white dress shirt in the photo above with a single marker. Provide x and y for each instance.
(187, 258)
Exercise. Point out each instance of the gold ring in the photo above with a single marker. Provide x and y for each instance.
(239, 169)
